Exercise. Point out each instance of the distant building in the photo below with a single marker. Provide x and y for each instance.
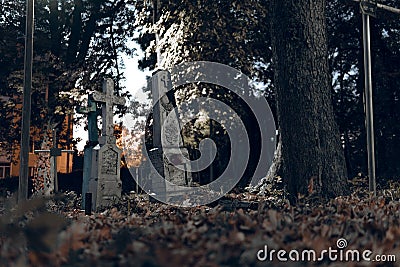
(9, 162)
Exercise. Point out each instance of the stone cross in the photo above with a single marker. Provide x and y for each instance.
(108, 100)
(91, 111)
(104, 182)
(51, 186)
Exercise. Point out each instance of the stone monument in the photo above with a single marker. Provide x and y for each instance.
(50, 183)
(166, 156)
(92, 112)
(104, 181)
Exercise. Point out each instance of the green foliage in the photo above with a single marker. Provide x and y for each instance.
(231, 32)
(346, 61)
(76, 46)
(237, 33)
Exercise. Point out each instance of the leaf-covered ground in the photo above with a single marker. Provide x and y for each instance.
(137, 232)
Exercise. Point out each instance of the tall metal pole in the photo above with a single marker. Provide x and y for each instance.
(369, 103)
(368, 7)
(383, 7)
(26, 105)
(156, 6)
(54, 162)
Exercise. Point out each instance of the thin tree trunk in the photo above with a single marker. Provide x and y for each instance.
(313, 159)
(276, 167)
(42, 182)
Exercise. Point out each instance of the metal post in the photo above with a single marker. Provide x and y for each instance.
(368, 7)
(26, 105)
(54, 162)
(88, 204)
(369, 103)
(156, 5)
(383, 7)
(211, 178)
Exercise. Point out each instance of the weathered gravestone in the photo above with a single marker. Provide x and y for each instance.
(42, 174)
(88, 168)
(104, 182)
(50, 182)
(168, 150)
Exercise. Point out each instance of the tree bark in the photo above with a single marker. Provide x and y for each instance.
(55, 30)
(313, 159)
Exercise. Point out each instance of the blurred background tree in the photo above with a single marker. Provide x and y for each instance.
(76, 45)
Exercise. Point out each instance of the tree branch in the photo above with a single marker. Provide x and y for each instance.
(384, 7)
(75, 31)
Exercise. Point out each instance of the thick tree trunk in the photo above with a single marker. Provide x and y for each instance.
(313, 159)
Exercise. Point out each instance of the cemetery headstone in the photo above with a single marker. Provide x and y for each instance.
(91, 111)
(42, 173)
(160, 155)
(105, 183)
(51, 182)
